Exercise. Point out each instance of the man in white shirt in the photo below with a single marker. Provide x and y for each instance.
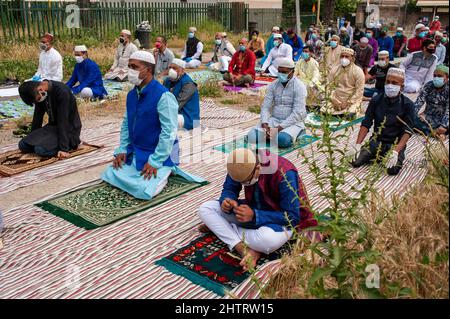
(50, 61)
(222, 53)
(192, 53)
(279, 51)
(119, 69)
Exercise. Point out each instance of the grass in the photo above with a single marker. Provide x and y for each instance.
(210, 89)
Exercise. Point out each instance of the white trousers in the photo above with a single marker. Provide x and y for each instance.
(264, 239)
(193, 64)
(222, 65)
(180, 121)
(412, 86)
(86, 93)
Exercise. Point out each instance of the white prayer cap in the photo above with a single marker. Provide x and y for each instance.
(427, 28)
(179, 62)
(285, 63)
(275, 28)
(397, 72)
(343, 29)
(383, 53)
(224, 34)
(335, 37)
(192, 29)
(419, 26)
(241, 164)
(364, 40)
(439, 34)
(371, 25)
(125, 31)
(142, 55)
(400, 29)
(277, 36)
(80, 48)
(436, 17)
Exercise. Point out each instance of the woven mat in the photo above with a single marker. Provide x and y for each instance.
(335, 124)
(15, 162)
(103, 204)
(214, 116)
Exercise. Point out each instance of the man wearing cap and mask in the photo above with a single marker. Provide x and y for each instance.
(269, 44)
(415, 43)
(347, 87)
(363, 54)
(241, 70)
(275, 203)
(119, 69)
(435, 25)
(295, 42)
(333, 52)
(163, 56)
(88, 76)
(148, 151)
(434, 95)
(419, 66)
(379, 73)
(441, 50)
(307, 70)
(386, 43)
(223, 52)
(284, 109)
(345, 37)
(192, 53)
(316, 45)
(400, 41)
(50, 61)
(180, 84)
(390, 135)
(62, 132)
(280, 50)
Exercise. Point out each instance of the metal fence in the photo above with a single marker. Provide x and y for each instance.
(22, 20)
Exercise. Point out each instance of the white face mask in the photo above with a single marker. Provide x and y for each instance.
(79, 59)
(43, 96)
(382, 63)
(173, 75)
(345, 62)
(133, 77)
(392, 90)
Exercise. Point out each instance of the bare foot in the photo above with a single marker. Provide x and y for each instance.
(249, 256)
(203, 229)
(247, 85)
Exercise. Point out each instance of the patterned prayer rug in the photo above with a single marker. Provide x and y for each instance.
(237, 89)
(335, 124)
(203, 76)
(264, 79)
(207, 262)
(242, 143)
(15, 162)
(103, 204)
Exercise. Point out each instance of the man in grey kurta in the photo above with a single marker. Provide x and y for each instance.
(163, 56)
(284, 109)
(119, 69)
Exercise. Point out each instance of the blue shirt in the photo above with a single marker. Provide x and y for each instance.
(296, 48)
(386, 44)
(88, 75)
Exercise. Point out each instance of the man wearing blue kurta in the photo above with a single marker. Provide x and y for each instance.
(88, 76)
(148, 151)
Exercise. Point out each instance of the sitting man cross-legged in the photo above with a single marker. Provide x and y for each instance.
(148, 151)
(384, 113)
(275, 202)
(119, 69)
(283, 110)
(241, 70)
(62, 133)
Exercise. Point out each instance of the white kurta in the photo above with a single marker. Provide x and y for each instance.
(50, 65)
(120, 65)
(282, 51)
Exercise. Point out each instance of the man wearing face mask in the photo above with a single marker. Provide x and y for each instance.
(435, 25)
(434, 95)
(419, 66)
(329, 32)
(269, 43)
(192, 53)
(295, 42)
(62, 132)
(256, 45)
(390, 135)
(148, 153)
(280, 51)
(386, 43)
(180, 84)
(163, 56)
(347, 81)
(363, 54)
(379, 73)
(307, 70)
(400, 42)
(119, 69)
(440, 48)
(415, 43)
(223, 52)
(316, 44)
(276, 203)
(283, 111)
(241, 70)
(50, 61)
(333, 52)
(88, 76)
(373, 43)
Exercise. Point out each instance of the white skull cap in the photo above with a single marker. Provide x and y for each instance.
(142, 55)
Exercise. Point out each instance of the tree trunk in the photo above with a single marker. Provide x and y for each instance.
(328, 11)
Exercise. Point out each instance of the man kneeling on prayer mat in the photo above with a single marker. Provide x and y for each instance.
(180, 84)
(275, 202)
(391, 114)
(62, 133)
(148, 151)
(119, 69)
(284, 109)
(347, 86)
(241, 70)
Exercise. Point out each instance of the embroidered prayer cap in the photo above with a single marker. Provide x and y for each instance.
(125, 31)
(397, 72)
(285, 63)
(383, 53)
(142, 55)
(400, 29)
(348, 51)
(419, 26)
(277, 36)
(335, 37)
(364, 40)
(179, 62)
(192, 29)
(241, 164)
(80, 48)
(442, 68)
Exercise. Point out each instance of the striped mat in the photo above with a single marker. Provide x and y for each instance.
(214, 116)
(46, 257)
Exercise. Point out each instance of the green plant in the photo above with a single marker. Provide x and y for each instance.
(17, 70)
(210, 89)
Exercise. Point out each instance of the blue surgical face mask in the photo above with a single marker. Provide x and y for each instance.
(242, 48)
(305, 56)
(276, 43)
(333, 44)
(422, 34)
(313, 36)
(438, 82)
(399, 34)
(368, 35)
(190, 35)
(283, 77)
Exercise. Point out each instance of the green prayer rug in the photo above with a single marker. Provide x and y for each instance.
(335, 123)
(103, 204)
(207, 262)
(243, 143)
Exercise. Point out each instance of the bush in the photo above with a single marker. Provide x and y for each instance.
(17, 70)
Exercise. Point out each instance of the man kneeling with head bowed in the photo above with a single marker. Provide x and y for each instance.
(148, 138)
(275, 202)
